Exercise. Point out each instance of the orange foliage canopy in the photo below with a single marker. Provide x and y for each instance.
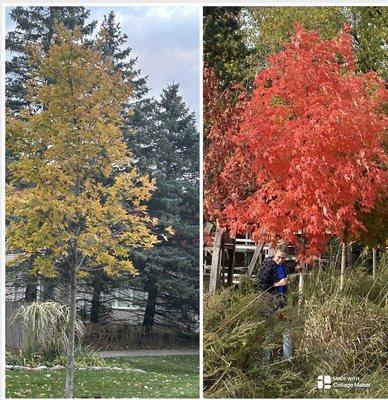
(304, 153)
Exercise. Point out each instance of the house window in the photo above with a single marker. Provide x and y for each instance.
(128, 299)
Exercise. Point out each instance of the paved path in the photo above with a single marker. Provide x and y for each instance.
(140, 353)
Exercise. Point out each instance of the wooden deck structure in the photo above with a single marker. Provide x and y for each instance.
(229, 258)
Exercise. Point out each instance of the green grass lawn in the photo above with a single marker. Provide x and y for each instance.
(169, 376)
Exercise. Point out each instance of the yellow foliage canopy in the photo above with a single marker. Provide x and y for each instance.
(73, 196)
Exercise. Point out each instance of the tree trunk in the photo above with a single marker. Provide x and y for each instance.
(349, 255)
(301, 288)
(231, 263)
(31, 291)
(216, 261)
(374, 263)
(149, 314)
(48, 289)
(46, 45)
(343, 263)
(96, 299)
(71, 337)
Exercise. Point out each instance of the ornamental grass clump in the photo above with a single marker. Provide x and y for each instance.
(334, 333)
(235, 326)
(346, 334)
(45, 325)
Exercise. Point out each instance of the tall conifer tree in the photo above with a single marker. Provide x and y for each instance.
(224, 48)
(35, 25)
(169, 152)
(112, 43)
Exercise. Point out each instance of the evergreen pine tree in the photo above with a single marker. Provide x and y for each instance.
(223, 46)
(165, 142)
(112, 42)
(169, 272)
(35, 25)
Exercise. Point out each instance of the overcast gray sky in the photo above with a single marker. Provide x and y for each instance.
(166, 41)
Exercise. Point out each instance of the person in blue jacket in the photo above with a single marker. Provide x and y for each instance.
(272, 279)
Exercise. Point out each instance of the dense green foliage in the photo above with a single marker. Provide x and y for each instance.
(169, 152)
(238, 40)
(268, 28)
(223, 45)
(129, 336)
(35, 25)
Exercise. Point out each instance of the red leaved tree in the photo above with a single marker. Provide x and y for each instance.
(304, 153)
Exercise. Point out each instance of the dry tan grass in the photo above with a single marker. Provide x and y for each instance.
(45, 325)
(336, 333)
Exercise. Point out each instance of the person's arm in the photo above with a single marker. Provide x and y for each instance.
(282, 282)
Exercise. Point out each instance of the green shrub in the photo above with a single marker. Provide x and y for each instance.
(84, 356)
(119, 336)
(14, 357)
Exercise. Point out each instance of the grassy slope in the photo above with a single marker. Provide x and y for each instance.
(171, 376)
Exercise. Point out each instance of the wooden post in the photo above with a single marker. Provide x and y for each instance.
(343, 263)
(301, 287)
(216, 261)
(374, 263)
(319, 267)
(254, 259)
(208, 227)
(231, 264)
(349, 257)
(223, 257)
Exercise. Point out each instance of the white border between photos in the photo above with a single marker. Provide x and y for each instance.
(201, 199)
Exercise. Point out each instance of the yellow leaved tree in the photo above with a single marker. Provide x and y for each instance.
(73, 197)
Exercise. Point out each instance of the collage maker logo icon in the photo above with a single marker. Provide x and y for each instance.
(324, 382)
